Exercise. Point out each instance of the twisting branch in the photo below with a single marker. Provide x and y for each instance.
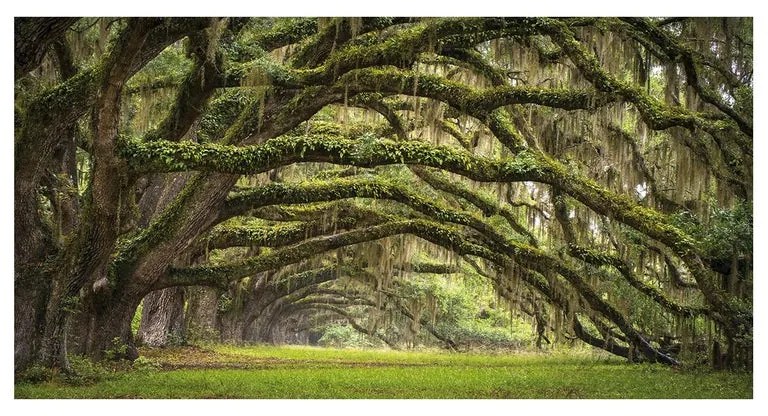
(674, 51)
(605, 259)
(276, 236)
(32, 37)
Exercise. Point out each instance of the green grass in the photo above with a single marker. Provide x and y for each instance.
(318, 373)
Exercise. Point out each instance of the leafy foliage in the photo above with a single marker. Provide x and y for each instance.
(728, 232)
(344, 336)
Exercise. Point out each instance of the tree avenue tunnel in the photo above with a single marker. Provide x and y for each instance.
(385, 181)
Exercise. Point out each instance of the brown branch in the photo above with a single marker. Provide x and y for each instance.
(32, 37)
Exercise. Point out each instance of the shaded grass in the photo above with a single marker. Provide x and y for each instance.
(305, 372)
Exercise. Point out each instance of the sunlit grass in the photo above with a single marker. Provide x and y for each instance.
(304, 372)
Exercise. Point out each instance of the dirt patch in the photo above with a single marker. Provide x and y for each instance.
(194, 357)
(272, 364)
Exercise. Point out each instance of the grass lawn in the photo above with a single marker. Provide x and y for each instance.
(317, 373)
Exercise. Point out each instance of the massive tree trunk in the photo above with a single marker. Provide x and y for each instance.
(110, 335)
(230, 329)
(87, 259)
(162, 317)
(102, 326)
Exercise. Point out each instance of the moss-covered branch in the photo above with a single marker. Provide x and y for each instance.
(338, 32)
(488, 207)
(657, 115)
(164, 156)
(606, 344)
(225, 235)
(402, 48)
(362, 188)
(286, 285)
(475, 102)
(604, 259)
(313, 212)
(285, 256)
(476, 61)
(431, 267)
(555, 298)
(675, 51)
(464, 140)
(285, 32)
(375, 102)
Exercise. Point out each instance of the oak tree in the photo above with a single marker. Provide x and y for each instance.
(596, 171)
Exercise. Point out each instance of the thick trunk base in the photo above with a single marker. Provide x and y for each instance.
(29, 320)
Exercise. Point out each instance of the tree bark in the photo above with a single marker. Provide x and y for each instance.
(32, 37)
(88, 257)
(30, 297)
(110, 330)
(162, 318)
(201, 314)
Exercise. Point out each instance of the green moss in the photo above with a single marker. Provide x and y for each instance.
(432, 231)
(479, 103)
(163, 156)
(222, 112)
(621, 207)
(270, 235)
(281, 32)
(658, 115)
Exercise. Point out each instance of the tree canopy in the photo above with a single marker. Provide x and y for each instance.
(596, 173)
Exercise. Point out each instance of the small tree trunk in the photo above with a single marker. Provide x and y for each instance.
(110, 331)
(53, 351)
(162, 318)
(201, 316)
(231, 328)
(290, 329)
